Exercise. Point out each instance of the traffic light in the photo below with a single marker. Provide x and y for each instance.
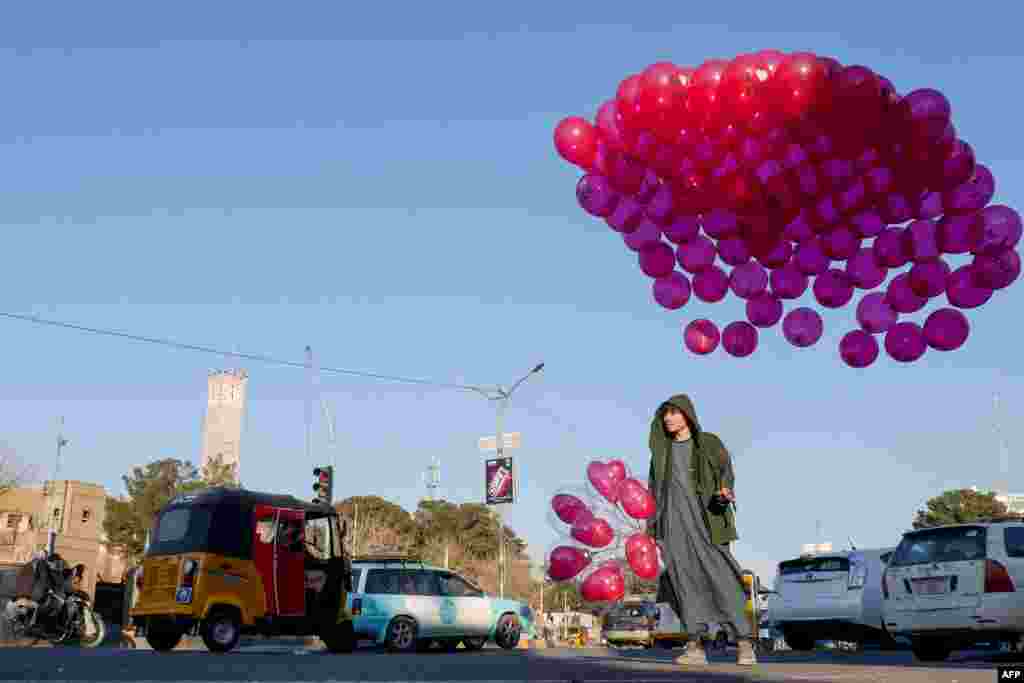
(323, 485)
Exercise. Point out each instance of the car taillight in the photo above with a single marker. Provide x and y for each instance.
(138, 578)
(189, 570)
(997, 579)
(357, 606)
(885, 585)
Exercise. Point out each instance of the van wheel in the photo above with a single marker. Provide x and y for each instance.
(163, 635)
(401, 635)
(508, 631)
(798, 640)
(221, 630)
(474, 643)
(931, 649)
(339, 638)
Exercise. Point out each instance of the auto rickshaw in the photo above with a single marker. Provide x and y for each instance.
(226, 562)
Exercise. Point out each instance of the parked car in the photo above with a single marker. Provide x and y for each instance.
(953, 587)
(407, 606)
(830, 596)
(630, 623)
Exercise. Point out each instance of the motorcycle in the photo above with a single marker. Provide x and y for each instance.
(46, 605)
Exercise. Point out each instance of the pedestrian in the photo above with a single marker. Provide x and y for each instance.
(692, 480)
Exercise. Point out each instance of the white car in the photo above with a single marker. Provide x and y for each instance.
(948, 588)
(830, 596)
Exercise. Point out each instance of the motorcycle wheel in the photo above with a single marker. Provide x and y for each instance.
(97, 633)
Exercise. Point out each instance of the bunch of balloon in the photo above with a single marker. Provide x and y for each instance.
(773, 175)
(601, 537)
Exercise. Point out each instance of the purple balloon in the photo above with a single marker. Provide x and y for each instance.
(959, 234)
(720, 223)
(806, 177)
(696, 255)
(661, 207)
(928, 279)
(874, 314)
(682, 229)
(880, 181)
(701, 336)
(840, 243)
(711, 284)
(858, 349)
(793, 156)
(647, 233)
(628, 174)
(905, 342)
(901, 297)
(867, 224)
(833, 289)
(649, 187)
(958, 166)
(864, 270)
(799, 229)
(946, 329)
(896, 208)
(788, 282)
(734, 251)
(748, 280)
(739, 339)
(825, 213)
(963, 292)
(778, 255)
(925, 104)
(971, 195)
(930, 206)
(627, 216)
(657, 260)
(802, 327)
(920, 241)
(891, 249)
(996, 272)
(838, 173)
(1001, 230)
(853, 197)
(764, 310)
(810, 258)
(672, 291)
(596, 195)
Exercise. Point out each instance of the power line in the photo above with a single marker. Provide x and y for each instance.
(234, 354)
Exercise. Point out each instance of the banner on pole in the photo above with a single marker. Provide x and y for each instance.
(499, 481)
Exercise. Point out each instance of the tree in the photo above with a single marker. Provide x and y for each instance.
(216, 472)
(377, 525)
(13, 472)
(958, 506)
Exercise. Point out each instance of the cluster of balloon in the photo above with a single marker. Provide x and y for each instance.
(792, 170)
(601, 533)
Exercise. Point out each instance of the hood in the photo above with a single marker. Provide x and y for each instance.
(683, 402)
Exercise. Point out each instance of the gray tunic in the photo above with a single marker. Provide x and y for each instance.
(702, 581)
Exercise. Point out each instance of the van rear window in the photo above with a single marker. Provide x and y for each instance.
(814, 564)
(948, 544)
(1014, 536)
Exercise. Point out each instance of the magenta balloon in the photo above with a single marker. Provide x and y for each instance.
(752, 151)
(853, 197)
(905, 342)
(1001, 230)
(833, 289)
(646, 233)
(958, 166)
(880, 181)
(928, 279)
(996, 272)
(901, 297)
(837, 173)
(734, 251)
(596, 195)
(696, 255)
(840, 243)
(788, 282)
(874, 314)
(959, 234)
(920, 241)
(649, 187)
(864, 270)
(946, 329)
(930, 206)
(810, 258)
(739, 339)
(890, 248)
(925, 104)
(778, 256)
(802, 327)
(627, 174)
(896, 208)
(806, 177)
(711, 285)
(657, 259)
(673, 291)
(858, 349)
(971, 195)
(825, 213)
(662, 206)
(867, 224)
(963, 292)
(748, 280)
(682, 229)
(793, 156)
(799, 229)
(701, 336)
(627, 216)
(764, 310)
(720, 223)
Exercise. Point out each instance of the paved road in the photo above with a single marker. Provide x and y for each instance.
(282, 662)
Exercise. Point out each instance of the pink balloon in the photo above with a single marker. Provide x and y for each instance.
(568, 507)
(701, 336)
(963, 292)
(642, 556)
(739, 339)
(874, 314)
(566, 562)
(636, 500)
(904, 342)
(657, 260)
(673, 291)
(946, 329)
(593, 531)
(802, 327)
(711, 285)
(605, 584)
(764, 310)
(605, 478)
(858, 349)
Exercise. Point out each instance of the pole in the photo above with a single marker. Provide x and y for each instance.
(500, 437)
(355, 526)
(309, 405)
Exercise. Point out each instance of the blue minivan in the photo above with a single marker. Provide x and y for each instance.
(408, 606)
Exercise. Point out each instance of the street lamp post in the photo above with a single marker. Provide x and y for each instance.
(503, 396)
(51, 541)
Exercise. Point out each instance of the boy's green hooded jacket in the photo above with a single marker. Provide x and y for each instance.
(711, 471)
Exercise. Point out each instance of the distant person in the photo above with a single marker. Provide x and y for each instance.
(692, 480)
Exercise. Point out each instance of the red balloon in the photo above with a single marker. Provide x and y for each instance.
(636, 500)
(701, 336)
(576, 141)
(565, 562)
(642, 556)
(568, 507)
(606, 477)
(591, 530)
(605, 584)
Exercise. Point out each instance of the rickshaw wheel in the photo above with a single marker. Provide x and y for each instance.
(401, 635)
(221, 631)
(339, 638)
(162, 635)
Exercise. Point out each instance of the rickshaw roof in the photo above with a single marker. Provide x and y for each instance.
(250, 499)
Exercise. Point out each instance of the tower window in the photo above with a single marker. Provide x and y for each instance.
(13, 521)
(86, 514)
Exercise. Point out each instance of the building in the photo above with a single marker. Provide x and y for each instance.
(76, 510)
(225, 410)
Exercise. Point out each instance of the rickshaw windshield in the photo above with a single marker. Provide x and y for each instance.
(218, 529)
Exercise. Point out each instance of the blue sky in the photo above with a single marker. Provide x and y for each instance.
(379, 181)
